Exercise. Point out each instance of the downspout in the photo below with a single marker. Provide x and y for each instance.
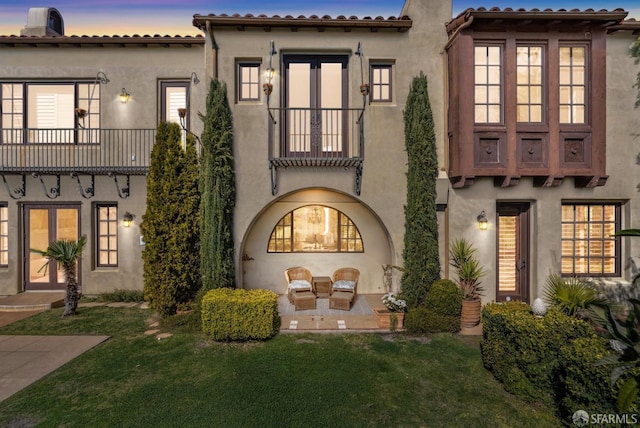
(214, 51)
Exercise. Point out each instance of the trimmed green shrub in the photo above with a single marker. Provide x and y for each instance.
(122, 295)
(440, 312)
(584, 383)
(523, 351)
(421, 320)
(444, 298)
(236, 314)
(421, 257)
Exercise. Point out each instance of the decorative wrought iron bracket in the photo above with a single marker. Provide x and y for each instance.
(274, 178)
(88, 192)
(52, 192)
(18, 192)
(124, 191)
(358, 178)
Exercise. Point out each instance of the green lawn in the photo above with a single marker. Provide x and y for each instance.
(293, 380)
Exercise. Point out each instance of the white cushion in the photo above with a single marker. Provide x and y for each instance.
(299, 284)
(344, 285)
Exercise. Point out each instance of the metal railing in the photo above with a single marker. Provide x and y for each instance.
(316, 136)
(93, 151)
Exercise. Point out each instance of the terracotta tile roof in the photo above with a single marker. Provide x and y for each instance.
(240, 22)
(630, 24)
(115, 40)
(603, 16)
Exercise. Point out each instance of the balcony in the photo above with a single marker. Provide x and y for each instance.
(80, 151)
(316, 137)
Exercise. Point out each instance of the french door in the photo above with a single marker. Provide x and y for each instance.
(316, 101)
(44, 224)
(512, 280)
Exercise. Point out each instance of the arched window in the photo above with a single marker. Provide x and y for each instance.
(315, 229)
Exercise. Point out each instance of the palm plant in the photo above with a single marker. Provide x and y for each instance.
(462, 257)
(66, 253)
(572, 295)
(625, 340)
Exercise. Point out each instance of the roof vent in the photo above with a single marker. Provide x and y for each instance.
(43, 21)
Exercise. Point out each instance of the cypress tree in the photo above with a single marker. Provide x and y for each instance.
(171, 254)
(217, 181)
(421, 257)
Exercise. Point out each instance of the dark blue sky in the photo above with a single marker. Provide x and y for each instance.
(174, 17)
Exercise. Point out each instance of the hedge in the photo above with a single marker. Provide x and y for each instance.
(236, 315)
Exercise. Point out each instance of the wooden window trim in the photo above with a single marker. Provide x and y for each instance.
(372, 68)
(96, 223)
(240, 82)
(617, 242)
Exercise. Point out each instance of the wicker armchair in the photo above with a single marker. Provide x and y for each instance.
(298, 279)
(345, 279)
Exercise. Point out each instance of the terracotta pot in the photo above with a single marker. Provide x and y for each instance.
(384, 318)
(470, 316)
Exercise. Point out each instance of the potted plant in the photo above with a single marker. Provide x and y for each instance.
(392, 315)
(462, 257)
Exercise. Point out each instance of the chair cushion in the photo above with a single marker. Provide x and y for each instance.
(299, 284)
(344, 285)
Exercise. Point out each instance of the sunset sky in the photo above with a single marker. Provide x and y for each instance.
(173, 17)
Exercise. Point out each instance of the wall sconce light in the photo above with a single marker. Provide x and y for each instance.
(127, 219)
(483, 222)
(194, 78)
(124, 96)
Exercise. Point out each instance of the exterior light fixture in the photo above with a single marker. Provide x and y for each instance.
(127, 219)
(124, 96)
(194, 78)
(269, 74)
(483, 222)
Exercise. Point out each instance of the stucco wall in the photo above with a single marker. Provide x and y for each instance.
(138, 70)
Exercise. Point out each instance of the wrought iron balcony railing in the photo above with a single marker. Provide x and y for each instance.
(62, 151)
(326, 137)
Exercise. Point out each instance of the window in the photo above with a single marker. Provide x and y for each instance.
(529, 84)
(106, 235)
(248, 81)
(4, 235)
(174, 96)
(52, 112)
(488, 84)
(381, 82)
(588, 247)
(572, 84)
(315, 228)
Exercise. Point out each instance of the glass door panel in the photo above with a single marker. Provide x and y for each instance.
(44, 225)
(316, 103)
(39, 240)
(512, 278)
(299, 103)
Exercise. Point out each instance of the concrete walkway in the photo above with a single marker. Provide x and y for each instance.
(25, 359)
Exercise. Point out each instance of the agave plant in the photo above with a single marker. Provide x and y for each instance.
(625, 340)
(66, 253)
(572, 295)
(462, 258)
